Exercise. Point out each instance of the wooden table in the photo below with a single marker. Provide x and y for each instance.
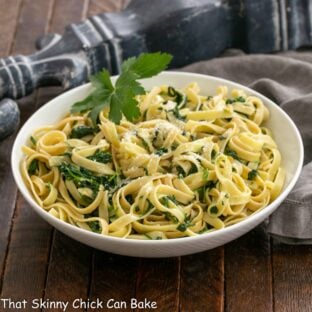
(253, 273)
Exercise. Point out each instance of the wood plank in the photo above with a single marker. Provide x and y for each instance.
(8, 202)
(21, 243)
(202, 282)
(69, 269)
(292, 278)
(66, 12)
(113, 277)
(27, 258)
(158, 281)
(8, 20)
(99, 6)
(32, 23)
(248, 273)
(7, 187)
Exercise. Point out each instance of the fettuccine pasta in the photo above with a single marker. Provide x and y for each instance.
(190, 164)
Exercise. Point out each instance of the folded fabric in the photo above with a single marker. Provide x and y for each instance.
(286, 79)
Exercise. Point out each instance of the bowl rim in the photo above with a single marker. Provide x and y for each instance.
(266, 211)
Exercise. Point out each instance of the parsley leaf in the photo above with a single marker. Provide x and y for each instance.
(147, 65)
(121, 97)
(252, 174)
(170, 217)
(161, 151)
(205, 174)
(101, 157)
(179, 98)
(99, 97)
(85, 178)
(237, 99)
(122, 100)
(33, 140)
(102, 79)
(182, 227)
(33, 167)
(81, 131)
(213, 209)
(95, 226)
(231, 153)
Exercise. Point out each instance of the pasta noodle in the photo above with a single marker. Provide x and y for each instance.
(190, 164)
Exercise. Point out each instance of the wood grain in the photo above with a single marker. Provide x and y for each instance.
(7, 187)
(292, 278)
(69, 270)
(202, 282)
(248, 273)
(33, 22)
(99, 6)
(25, 271)
(8, 20)
(27, 229)
(66, 12)
(237, 277)
(158, 280)
(113, 277)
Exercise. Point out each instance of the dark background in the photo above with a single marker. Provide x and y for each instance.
(253, 273)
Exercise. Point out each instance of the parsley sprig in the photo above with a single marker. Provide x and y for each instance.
(121, 97)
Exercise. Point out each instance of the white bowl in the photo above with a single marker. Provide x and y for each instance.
(284, 131)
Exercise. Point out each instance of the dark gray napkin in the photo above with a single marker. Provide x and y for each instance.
(287, 80)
